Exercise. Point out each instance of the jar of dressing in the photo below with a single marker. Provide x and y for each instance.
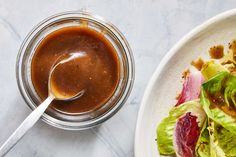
(104, 69)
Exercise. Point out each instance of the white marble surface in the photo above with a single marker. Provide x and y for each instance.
(151, 27)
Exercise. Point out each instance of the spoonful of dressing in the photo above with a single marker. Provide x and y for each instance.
(69, 87)
(59, 88)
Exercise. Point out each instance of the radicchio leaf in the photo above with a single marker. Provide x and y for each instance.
(191, 88)
(186, 135)
(166, 131)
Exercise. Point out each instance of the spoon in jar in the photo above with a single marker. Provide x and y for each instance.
(55, 93)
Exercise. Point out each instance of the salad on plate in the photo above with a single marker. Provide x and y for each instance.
(202, 123)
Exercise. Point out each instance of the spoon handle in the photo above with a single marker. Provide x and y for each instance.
(25, 126)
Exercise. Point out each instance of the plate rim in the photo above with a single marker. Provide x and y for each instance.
(164, 61)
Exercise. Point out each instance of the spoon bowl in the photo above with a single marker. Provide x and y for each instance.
(56, 87)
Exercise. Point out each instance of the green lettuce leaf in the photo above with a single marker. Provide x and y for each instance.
(216, 141)
(203, 147)
(165, 130)
(223, 142)
(226, 140)
(217, 99)
(215, 149)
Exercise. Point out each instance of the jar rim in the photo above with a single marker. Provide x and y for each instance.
(130, 65)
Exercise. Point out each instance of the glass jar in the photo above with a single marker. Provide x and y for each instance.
(82, 120)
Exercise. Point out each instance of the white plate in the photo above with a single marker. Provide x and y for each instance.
(160, 94)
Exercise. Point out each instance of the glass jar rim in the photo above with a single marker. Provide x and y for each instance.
(67, 15)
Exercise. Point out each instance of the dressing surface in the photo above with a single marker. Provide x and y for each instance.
(90, 67)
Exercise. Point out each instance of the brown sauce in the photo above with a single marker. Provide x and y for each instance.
(95, 72)
(70, 65)
(217, 100)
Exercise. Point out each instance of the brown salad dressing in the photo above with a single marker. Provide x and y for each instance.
(217, 103)
(93, 70)
(217, 100)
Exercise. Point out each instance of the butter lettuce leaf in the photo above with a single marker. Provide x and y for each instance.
(216, 141)
(217, 99)
(203, 144)
(215, 149)
(223, 141)
(165, 130)
(226, 140)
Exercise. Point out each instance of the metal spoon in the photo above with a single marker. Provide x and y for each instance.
(38, 112)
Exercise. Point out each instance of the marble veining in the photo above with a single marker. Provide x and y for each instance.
(10, 28)
(152, 27)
